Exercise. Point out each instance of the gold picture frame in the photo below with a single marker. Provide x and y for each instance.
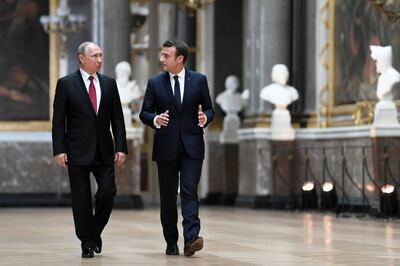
(41, 125)
(352, 74)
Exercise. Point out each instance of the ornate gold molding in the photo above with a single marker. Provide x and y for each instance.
(322, 56)
(257, 121)
(364, 113)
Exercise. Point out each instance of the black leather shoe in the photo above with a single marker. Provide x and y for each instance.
(87, 253)
(97, 245)
(172, 250)
(193, 246)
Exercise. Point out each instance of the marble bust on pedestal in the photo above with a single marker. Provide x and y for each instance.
(281, 95)
(128, 181)
(385, 109)
(231, 102)
(128, 90)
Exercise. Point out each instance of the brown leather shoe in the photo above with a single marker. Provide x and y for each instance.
(193, 246)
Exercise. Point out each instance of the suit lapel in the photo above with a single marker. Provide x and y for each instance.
(167, 85)
(82, 89)
(187, 85)
(103, 89)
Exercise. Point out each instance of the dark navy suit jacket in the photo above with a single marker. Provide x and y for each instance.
(183, 117)
(77, 130)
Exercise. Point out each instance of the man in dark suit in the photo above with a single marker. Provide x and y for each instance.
(86, 103)
(178, 106)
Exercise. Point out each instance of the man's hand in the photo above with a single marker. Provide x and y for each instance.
(163, 119)
(202, 117)
(61, 159)
(119, 158)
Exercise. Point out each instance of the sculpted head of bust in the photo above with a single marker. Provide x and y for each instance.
(280, 74)
(383, 57)
(231, 83)
(122, 72)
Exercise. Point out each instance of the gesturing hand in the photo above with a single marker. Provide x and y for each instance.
(202, 117)
(163, 119)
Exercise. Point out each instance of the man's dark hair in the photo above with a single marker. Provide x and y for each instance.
(180, 46)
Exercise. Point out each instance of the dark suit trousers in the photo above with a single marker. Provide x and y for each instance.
(89, 225)
(186, 171)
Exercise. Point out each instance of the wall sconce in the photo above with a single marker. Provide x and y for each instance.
(191, 5)
(388, 10)
(63, 23)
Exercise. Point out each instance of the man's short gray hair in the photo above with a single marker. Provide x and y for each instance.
(82, 49)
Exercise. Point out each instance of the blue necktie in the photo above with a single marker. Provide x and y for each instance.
(177, 90)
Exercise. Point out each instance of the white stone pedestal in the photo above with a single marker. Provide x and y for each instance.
(135, 134)
(129, 173)
(127, 116)
(281, 129)
(385, 115)
(230, 128)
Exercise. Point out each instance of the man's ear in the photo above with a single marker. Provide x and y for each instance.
(180, 58)
(80, 58)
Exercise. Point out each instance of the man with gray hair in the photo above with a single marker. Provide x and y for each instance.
(85, 104)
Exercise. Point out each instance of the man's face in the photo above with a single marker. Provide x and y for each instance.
(169, 61)
(92, 59)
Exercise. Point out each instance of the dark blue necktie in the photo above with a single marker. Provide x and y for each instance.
(177, 90)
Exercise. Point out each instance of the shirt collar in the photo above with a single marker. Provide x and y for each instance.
(180, 74)
(86, 75)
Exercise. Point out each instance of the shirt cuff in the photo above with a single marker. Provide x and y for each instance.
(155, 122)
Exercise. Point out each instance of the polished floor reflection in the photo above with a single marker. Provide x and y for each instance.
(233, 236)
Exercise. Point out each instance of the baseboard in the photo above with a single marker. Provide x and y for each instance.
(34, 200)
(128, 202)
(228, 199)
(61, 200)
(212, 199)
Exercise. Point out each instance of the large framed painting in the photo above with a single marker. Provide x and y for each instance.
(354, 26)
(24, 65)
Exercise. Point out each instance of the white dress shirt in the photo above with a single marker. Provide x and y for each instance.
(181, 78)
(86, 80)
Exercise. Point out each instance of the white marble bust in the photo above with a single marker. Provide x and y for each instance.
(385, 113)
(128, 89)
(388, 75)
(231, 102)
(278, 93)
(281, 95)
